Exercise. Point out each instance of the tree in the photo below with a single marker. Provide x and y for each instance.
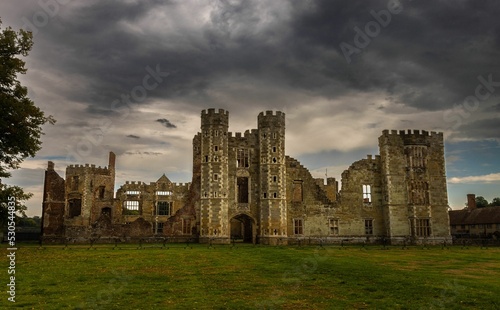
(481, 202)
(495, 202)
(20, 120)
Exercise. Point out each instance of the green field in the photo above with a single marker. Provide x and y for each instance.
(254, 277)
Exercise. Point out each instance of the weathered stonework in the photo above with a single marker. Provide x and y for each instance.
(244, 187)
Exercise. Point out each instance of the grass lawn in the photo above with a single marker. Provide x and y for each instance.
(254, 277)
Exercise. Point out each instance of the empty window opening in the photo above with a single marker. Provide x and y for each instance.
(186, 226)
(215, 194)
(274, 149)
(102, 191)
(206, 195)
(216, 177)
(265, 195)
(242, 184)
(75, 207)
(163, 193)
(334, 226)
(106, 212)
(369, 227)
(159, 228)
(133, 192)
(206, 158)
(275, 160)
(298, 228)
(275, 195)
(242, 158)
(367, 193)
(274, 135)
(216, 158)
(163, 208)
(216, 148)
(75, 183)
(275, 178)
(423, 227)
(216, 133)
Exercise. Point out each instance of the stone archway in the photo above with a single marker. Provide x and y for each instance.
(243, 228)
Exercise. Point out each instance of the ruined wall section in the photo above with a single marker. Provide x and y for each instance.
(53, 204)
(89, 194)
(361, 200)
(308, 200)
(273, 209)
(214, 175)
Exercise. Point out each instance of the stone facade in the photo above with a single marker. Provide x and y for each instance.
(245, 187)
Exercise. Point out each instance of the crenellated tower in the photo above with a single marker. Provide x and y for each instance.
(415, 195)
(214, 221)
(272, 187)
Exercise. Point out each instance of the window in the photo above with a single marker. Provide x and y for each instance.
(163, 208)
(274, 149)
(334, 226)
(369, 227)
(74, 183)
(101, 192)
(132, 205)
(106, 212)
(186, 226)
(205, 194)
(75, 207)
(242, 185)
(163, 193)
(275, 178)
(274, 135)
(423, 227)
(215, 194)
(216, 134)
(159, 228)
(419, 193)
(489, 226)
(367, 193)
(275, 195)
(216, 177)
(133, 192)
(242, 158)
(297, 191)
(206, 158)
(216, 158)
(415, 156)
(265, 195)
(298, 228)
(274, 160)
(216, 148)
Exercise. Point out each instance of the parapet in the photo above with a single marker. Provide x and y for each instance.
(415, 132)
(211, 117)
(271, 119)
(212, 111)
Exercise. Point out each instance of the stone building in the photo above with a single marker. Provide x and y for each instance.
(245, 187)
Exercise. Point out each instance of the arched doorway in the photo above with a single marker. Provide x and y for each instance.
(242, 228)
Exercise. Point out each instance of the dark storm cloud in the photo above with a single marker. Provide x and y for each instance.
(428, 56)
(165, 122)
(481, 129)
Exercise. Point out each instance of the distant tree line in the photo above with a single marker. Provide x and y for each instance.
(481, 202)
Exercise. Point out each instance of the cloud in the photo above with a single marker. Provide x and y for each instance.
(133, 137)
(488, 178)
(165, 122)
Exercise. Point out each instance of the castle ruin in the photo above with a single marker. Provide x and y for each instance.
(244, 187)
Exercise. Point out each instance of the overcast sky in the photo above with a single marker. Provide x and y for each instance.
(133, 76)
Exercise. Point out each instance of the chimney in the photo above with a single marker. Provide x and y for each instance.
(471, 201)
(50, 166)
(112, 159)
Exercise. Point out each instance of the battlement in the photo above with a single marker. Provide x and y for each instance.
(212, 111)
(87, 168)
(271, 119)
(415, 132)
